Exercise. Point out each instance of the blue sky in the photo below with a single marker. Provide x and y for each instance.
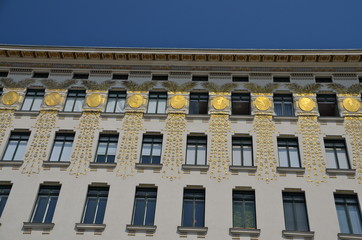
(239, 24)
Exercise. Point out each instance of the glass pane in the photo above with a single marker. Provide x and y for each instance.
(355, 217)
(201, 155)
(342, 158)
(27, 103)
(56, 151)
(283, 157)
(138, 214)
(294, 157)
(10, 150)
(102, 148)
(237, 214)
(110, 104)
(199, 214)
(288, 108)
(194, 107)
(161, 106)
(187, 216)
(342, 219)
(90, 210)
(146, 149)
(40, 209)
(101, 210)
(78, 106)
(191, 151)
(236, 156)
(112, 148)
(249, 215)
(156, 150)
(3, 200)
(20, 151)
(51, 209)
(120, 105)
(150, 214)
(152, 106)
(67, 149)
(37, 103)
(301, 216)
(331, 160)
(69, 104)
(248, 156)
(278, 109)
(289, 216)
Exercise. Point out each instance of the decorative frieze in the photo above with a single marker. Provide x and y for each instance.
(353, 127)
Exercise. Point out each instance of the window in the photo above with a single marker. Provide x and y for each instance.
(74, 101)
(199, 103)
(288, 152)
(33, 100)
(40, 75)
(95, 205)
(4, 194)
(62, 147)
(244, 215)
(295, 212)
(193, 209)
(144, 207)
(151, 149)
(116, 102)
(281, 79)
(283, 104)
(196, 150)
(16, 146)
(360, 79)
(349, 213)
(107, 145)
(242, 151)
(160, 77)
(157, 102)
(201, 78)
(240, 104)
(240, 79)
(327, 105)
(80, 76)
(3, 74)
(336, 154)
(323, 79)
(120, 76)
(45, 204)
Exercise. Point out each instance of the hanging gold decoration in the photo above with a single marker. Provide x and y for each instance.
(82, 153)
(128, 151)
(265, 154)
(219, 158)
(353, 126)
(37, 152)
(313, 160)
(173, 155)
(6, 120)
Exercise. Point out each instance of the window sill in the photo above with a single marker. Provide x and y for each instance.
(348, 236)
(331, 119)
(288, 233)
(197, 116)
(243, 168)
(26, 113)
(290, 170)
(69, 114)
(341, 171)
(288, 118)
(108, 114)
(200, 230)
(141, 228)
(195, 167)
(38, 226)
(102, 165)
(245, 231)
(242, 117)
(148, 166)
(11, 163)
(155, 115)
(56, 164)
(94, 227)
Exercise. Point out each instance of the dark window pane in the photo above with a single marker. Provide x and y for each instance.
(240, 79)
(80, 76)
(200, 78)
(281, 79)
(40, 75)
(327, 105)
(323, 79)
(120, 76)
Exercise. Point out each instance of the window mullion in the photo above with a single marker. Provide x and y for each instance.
(16, 149)
(46, 210)
(145, 211)
(96, 211)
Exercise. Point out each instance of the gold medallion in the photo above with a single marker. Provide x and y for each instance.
(178, 102)
(219, 102)
(94, 100)
(351, 104)
(135, 101)
(10, 98)
(262, 103)
(52, 99)
(306, 104)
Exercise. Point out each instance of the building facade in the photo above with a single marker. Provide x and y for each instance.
(170, 144)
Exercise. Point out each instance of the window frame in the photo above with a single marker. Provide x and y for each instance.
(189, 191)
(22, 136)
(287, 143)
(283, 100)
(158, 97)
(154, 139)
(33, 95)
(198, 142)
(119, 96)
(295, 217)
(79, 96)
(5, 190)
(197, 98)
(346, 206)
(54, 191)
(241, 142)
(337, 162)
(98, 196)
(146, 199)
(63, 141)
(110, 140)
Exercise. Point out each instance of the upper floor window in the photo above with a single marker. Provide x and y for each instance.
(199, 103)
(323, 79)
(288, 152)
(119, 76)
(40, 75)
(3, 74)
(151, 149)
(244, 214)
(193, 209)
(45, 204)
(281, 79)
(157, 102)
(95, 205)
(242, 151)
(240, 79)
(240, 104)
(283, 104)
(116, 102)
(4, 194)
(80, 76)
(107, 145)
(16, 146)
(327, 105)
(196, 150)
(295, 212)
(202, 78)
(33, 100)
(160, 77)
(74, 101)
(349, 213)
(336, 154)
(62, 147)
(144, 207)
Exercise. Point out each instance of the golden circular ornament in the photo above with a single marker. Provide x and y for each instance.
(178, 102)
(306, 104)
(94, 100)
(351, 104)
(135, 101)
(10, 98)
(52, 99)
(262, 103)
(219, 102)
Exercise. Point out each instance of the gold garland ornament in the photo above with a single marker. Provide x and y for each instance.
(52, 99)
(220, 102)
(94, 100)
(353, 126)
(10, 98)
(135, 101)
(351, 104)
(306, 104)
(178, 102)
(262, 103)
